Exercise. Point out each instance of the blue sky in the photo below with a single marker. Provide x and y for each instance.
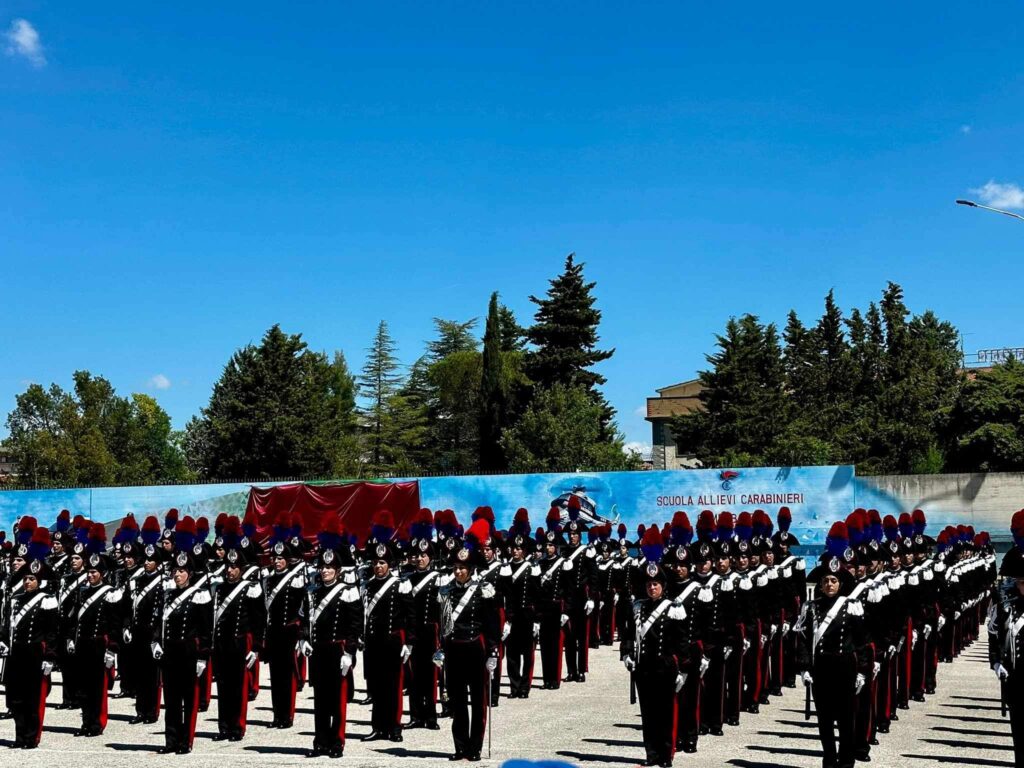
(175, 179)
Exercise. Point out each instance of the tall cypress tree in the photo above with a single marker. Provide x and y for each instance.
(493, 395)
(564, 333)
(379, 383)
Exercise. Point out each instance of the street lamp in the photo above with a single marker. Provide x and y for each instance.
(972, 204)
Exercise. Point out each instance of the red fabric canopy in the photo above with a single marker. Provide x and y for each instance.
(354, 503)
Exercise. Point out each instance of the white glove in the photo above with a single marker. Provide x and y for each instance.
(491, 664)
(126, 634)
(941, 623)
(806, 677)
(564, 619)
(615, 600)
(536, 630)
(71, 646)
(108, 660)
(589, 607)
(4, 650)
(875, 670)
(405, 653)
(785, 627)
(1001, 672)
(705, 662)
(858, 684)
(200, 668)
(774, 629)
(438, 659)
(250, 659)
(680, 682)
(892, 651)
(304, 648)
(927, 631)
(506, 630)
(600, 605)
(629, 663)
(47, 668)
(764, 640)
(727, 653)
(346, 664)
(956, 615)
(158, 652)
(913, 639)
(746, 645)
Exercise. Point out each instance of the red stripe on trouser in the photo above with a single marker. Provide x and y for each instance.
(586, 644)
(44, 690)
(757, 663)
(108, 675)
(342, 709)
(675, 727)
(256, 677)
(195, 712)
(243, 712)
(528, 667)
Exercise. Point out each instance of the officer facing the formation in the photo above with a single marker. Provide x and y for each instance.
(469, 627)
(651, 650)
(238, 623)
(332, 630)
(832, 633)
(183, 648)
(29, 635)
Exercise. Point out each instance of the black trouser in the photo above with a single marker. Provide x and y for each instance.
(181, 694)
(606, 622)
(865, 707)
(330, 697)
(656, 691)
(384, 678)
(126, 671)
(713, 706)
(734, 681)
(423, 676)
(468, 680)
(1013, 690)
(552, 638)
(71, 689)
(688, 702)
(519, 656)
(577, 642)
(26, 692)
(93, 676)
(833, 687)
(147, 677)
(284, 673)
(233, 683)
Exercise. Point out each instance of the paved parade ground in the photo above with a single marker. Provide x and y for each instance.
(586, 724)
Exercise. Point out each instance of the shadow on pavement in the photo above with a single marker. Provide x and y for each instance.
(967, 744)
(961, 760)
(403, 752)
(585, 757)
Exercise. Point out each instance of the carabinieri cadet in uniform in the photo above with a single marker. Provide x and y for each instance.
(239, 618)
(332, 629)
(491, 570)
(284, 591)
(652, 649)
(521, 589)
(183, 649)
(580, 578)
(685, 593)
(1005, 636)
(469, 627)
(832, 633)
(29, 642)
(552, 604)
(389, 632)
(94, 636)
(145, 606)
(424, 581)
(69, 587)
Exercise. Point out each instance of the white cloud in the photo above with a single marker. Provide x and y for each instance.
(23, 40)
(644, 449)
(160, 382)
(1001, 195)
(965, 129)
